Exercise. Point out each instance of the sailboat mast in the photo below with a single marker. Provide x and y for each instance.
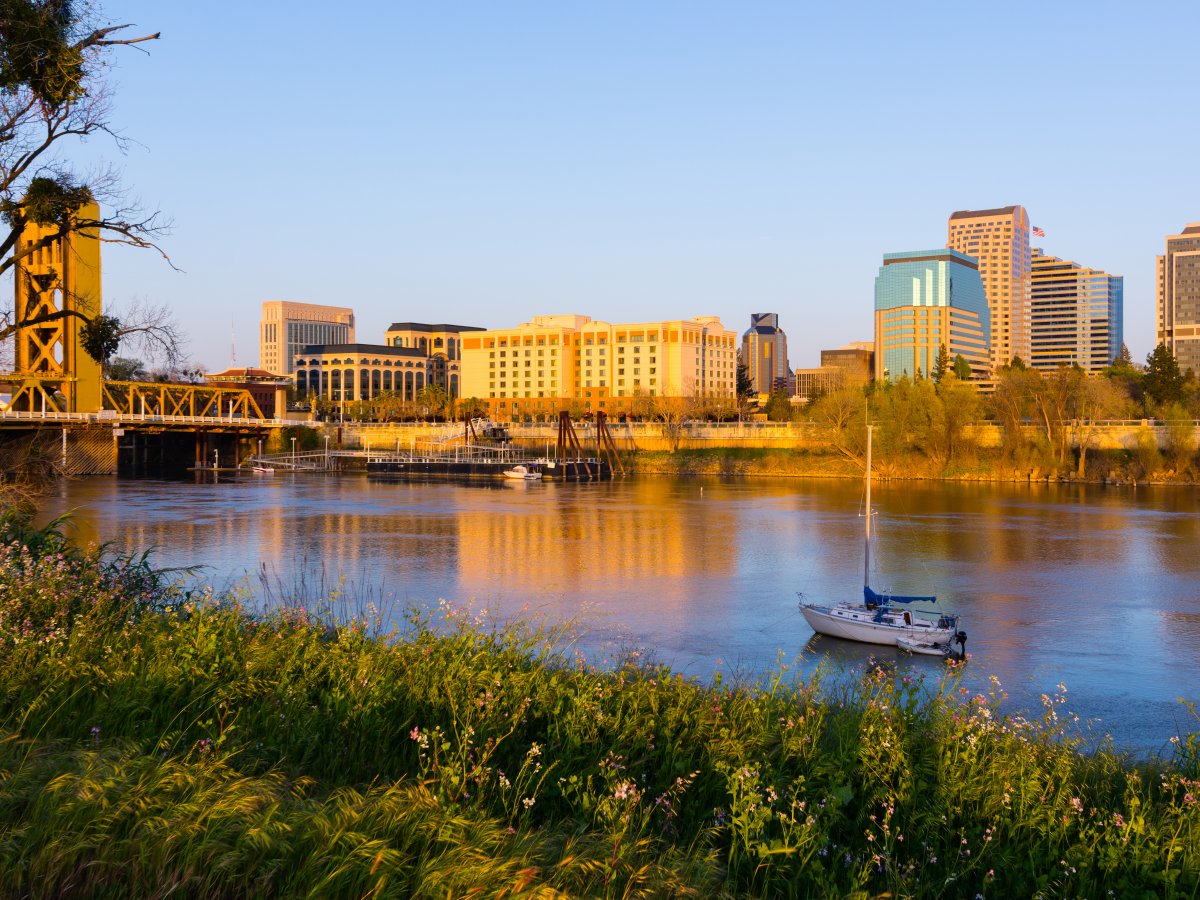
(867, 554)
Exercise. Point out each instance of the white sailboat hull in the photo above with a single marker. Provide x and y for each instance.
(875, 626)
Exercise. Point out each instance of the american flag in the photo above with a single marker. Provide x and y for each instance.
(1039, 232)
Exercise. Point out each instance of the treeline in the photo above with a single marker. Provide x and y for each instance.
(1047, 420)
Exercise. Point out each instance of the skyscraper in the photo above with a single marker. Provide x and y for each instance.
(925, 300)
(764, 354)
(286, 328)
(999, 240)
(1076, 315)
(1179, 297)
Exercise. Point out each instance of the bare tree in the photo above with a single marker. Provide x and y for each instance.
(51, 54)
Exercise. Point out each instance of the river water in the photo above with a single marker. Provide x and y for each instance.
(1097, 588)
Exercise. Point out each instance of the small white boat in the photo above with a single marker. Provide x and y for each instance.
(881, 618)
(262, 470)
(522, 473)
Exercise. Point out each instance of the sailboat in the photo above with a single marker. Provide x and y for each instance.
(885, 618)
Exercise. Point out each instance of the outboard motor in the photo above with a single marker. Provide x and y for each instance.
(960, 638)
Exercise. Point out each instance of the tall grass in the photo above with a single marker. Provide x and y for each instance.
(161, 741)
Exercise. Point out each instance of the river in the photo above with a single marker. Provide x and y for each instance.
(1097, 588)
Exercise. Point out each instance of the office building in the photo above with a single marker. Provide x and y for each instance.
(414, 356)
(924, 300)
(1076, 315)
(856, 358)
(1178, 307)
(286, 328)
(765, 356)
(553, 363)
(998, 239)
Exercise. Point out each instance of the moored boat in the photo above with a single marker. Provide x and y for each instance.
(884, 618)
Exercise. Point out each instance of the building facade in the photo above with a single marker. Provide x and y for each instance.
(287, 328)
(1178, 306)
(346, 372)
(1077, 315)
(857, 359)
(552, 363)
(268, 390)
(998, 239)
(765, 356)
(925, 300)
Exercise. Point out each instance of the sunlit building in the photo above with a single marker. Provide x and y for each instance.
(764, 354)
(1178, 307)
(288, 327)
(1076, 315)
(414, 356)
(925, 300)
(552, 363)
(998, 239)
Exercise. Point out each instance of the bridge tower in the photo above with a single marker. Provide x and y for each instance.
(52, 283)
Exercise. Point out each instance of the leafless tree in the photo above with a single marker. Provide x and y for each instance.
(52, 54)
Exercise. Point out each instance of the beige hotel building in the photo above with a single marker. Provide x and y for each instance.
(552, 362)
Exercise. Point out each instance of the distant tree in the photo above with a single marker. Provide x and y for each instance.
(122, 369)
(1181, 437)
(941, 365)
(958, 406)
(778, 407)
(745, 385)
(1016, 364)
(52, 54)
(473, 408)
(1162, 381)
(433, 399)
(1123, 359)
(962, 368)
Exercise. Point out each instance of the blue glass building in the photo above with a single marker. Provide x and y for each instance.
(925, 299)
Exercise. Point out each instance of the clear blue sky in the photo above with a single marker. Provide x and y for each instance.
(484, 162)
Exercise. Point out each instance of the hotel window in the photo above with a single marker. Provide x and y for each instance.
(620, 371)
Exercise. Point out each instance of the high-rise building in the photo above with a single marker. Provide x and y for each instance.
(764, 354)
(1179, 297)
(286, 328)
(1076, 315)
(924, 300)
(553, 362)
(999, 240)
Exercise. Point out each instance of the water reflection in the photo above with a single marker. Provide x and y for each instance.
(1095, 587)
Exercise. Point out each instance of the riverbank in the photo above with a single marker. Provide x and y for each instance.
(157, 737)
(1110, 467)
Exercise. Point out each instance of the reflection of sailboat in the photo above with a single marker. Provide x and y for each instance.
(881, 618)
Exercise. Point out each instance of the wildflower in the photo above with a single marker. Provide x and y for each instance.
(528, 802)
(415, 734)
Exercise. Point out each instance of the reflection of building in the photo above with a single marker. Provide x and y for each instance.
(269, 391)
(1076, 315)
(764, 354)
(287, 327)
(1179, 297)
(551, 362)
(999, 240)
(925, 300)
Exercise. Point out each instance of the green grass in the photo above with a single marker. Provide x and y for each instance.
(161, 742)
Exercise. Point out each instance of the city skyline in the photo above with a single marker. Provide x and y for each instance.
(634, 163)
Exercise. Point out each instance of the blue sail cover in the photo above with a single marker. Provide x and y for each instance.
(874, 599)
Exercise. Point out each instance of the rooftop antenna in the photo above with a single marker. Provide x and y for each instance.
(232, 346)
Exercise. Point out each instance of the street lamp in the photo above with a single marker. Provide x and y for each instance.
(293, 454)
(326, 451)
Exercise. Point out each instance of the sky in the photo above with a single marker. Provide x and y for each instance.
(480, 163)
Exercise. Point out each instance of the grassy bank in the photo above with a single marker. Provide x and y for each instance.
(1116, 467)
(156, 741)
